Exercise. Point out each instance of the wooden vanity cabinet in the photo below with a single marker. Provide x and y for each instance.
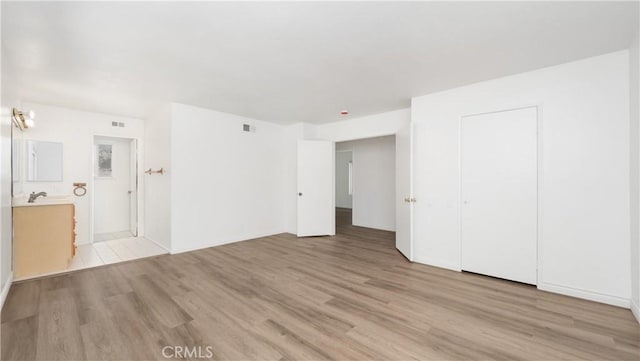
(43, 238)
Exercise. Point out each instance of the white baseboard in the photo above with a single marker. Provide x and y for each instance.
(209, 244)
(438, 263)
(587, 295)
(157, 244)
(5, 290)
(375, 226)
(635, 308)
(175, 250)
(563, 290)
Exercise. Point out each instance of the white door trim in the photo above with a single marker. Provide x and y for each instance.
(91, 181)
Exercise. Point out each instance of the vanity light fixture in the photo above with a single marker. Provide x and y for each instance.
(22, 120)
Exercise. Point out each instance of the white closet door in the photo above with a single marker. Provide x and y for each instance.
(499, 194)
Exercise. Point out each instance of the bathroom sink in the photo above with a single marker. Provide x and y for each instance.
(43, 201)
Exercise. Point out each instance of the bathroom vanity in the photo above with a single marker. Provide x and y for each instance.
(43, 235)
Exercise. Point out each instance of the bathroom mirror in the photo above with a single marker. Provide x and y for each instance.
(43, 161)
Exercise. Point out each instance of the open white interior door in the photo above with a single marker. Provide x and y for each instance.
(316, 185)
(404, 192)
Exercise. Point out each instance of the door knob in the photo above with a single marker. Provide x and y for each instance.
(299, 193)
(407, 199)
(129, 192)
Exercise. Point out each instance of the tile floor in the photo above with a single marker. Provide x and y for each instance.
(107, 252)
(99, 237)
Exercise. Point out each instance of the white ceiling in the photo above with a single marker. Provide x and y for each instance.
(288, 62)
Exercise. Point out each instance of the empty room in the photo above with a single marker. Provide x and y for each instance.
(320, 180)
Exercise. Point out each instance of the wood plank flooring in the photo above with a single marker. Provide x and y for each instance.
(348, 297)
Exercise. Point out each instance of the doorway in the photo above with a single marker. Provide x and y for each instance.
(115, 186)
(365, 184)
(344, 188)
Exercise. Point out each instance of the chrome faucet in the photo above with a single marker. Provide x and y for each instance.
(33, 196)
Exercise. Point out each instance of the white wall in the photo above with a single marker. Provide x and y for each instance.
(76, 129)
(157, 196)
(584, 211)
(634, 111)
(374, 183)
(226, 184)
(343, 198)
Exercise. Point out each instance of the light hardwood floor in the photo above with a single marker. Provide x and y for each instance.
(348, 297)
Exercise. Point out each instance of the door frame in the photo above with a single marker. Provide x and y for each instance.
(539, 176)
(134, 153)
(350, 175)
(397, 196)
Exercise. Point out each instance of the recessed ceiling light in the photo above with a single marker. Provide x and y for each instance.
(344, 112)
